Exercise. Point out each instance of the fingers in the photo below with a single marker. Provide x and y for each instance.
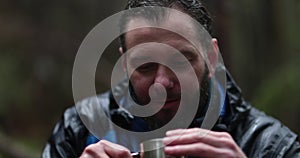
(115, 150)
(201, 142)
(188, 138)
(94, 151)
(194, 135)
(105, 149)
(198, 149)
(188, 131)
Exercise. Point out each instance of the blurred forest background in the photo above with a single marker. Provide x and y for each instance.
(39, 39)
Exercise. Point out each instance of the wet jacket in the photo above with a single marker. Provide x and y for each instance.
(257, 134)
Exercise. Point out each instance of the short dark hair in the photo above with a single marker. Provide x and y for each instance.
(194, 8)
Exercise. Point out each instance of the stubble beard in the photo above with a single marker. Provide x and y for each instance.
(155, 123)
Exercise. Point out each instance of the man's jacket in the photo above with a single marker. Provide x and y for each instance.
(256, 134)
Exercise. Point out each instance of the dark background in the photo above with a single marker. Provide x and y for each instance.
(39, 39)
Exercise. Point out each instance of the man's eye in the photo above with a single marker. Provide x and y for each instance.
(183, 62)
(147, 67)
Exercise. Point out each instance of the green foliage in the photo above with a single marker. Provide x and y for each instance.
(279, 91)
(279, 96)
(265, 54)
(12, 83)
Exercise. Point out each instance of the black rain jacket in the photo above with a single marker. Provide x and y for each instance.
(257, 134)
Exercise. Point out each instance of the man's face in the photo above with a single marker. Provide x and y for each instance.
(150, 73)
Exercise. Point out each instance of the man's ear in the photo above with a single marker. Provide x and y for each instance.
(123, 56)
(213, 56)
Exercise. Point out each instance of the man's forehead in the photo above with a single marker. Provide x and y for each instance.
(174, 22)
(151, 34)
(171, 31)
(175, 29)
(158, 38)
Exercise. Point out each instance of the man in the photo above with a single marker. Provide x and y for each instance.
(241, 131)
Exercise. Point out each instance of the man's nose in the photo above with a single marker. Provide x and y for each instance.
(165, 77)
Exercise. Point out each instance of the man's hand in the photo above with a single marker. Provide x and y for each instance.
(105, 149)
(201, 143)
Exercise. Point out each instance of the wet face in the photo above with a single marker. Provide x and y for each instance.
(145, 73)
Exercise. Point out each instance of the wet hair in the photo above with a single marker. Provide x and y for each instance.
(194, 8)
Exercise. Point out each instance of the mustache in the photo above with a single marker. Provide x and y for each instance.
(173, 95)
(157, 95)
(169, 97)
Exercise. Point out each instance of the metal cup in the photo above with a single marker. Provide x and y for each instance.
(153, 148)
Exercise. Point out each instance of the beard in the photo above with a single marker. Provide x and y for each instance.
(204, 94)
(155, 123)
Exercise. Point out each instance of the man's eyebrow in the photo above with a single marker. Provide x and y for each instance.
(188, 50)
(138, 58)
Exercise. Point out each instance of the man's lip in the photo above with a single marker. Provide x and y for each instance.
(172, 103)
(172, 100)
(167, 100)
